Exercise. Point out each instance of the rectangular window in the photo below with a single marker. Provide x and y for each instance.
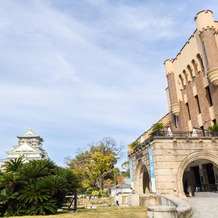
(202, 66)
(205, 52)
(203, 131)
(175, 120)
(208, 94)
(198, 104)
(189, 115)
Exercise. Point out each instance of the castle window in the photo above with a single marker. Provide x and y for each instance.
(181, 81)
(188, 110)
(208, 94)
(198, 104)
(190, 74)
(201, 63)
(175, 118)
(203, 131)
(204, 52)
(195, 68)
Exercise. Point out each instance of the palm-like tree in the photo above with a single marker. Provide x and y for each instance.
(56, 184)
(39, 185)
(72, 181)
(13, 165)
(34, 169)
(34, 191)
(10, 181)
(156, 128)
(43, 208)
(213, 130)
(6, 199)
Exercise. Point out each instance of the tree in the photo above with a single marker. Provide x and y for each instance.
(126, 169)
(13, 165)
(93, 166)
(40, 188)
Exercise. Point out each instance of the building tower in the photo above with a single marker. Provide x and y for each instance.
(193, 78)
(29, 146)
(184, 150)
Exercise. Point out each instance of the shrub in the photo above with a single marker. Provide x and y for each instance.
(38, 187)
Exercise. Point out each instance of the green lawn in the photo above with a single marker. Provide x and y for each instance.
(101, 212)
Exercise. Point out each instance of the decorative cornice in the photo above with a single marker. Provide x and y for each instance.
(175, 108)
(213, 75)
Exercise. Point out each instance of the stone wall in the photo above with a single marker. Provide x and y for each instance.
(171, 157)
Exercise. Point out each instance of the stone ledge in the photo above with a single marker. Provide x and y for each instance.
(171, 207)
(162, 211)
(162, 208)
(183, 208)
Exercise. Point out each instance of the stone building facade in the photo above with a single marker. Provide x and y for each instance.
(184, 152)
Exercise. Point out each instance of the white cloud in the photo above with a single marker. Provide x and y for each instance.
(76, 71)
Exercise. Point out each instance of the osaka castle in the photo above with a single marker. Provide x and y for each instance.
(29, 146)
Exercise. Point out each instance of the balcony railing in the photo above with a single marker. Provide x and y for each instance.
(179, 134)
(206, 188)
(192, 134)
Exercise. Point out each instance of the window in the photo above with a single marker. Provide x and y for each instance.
(202, 129)
(175, 118)
(198, 104)
(204, 52)
(208, 94)
(201, 63)
(189, 115)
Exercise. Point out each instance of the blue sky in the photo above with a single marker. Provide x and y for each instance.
(76, 71)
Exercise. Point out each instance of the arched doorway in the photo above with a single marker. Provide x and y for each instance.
(201, 175)
(200, 172)
(145, 180)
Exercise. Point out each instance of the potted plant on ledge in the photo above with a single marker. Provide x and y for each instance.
(157, 129)
(213, 130)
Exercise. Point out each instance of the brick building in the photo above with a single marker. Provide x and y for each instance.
(193, 78)
(184, 150)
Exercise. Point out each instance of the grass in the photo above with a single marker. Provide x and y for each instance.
(100, 212)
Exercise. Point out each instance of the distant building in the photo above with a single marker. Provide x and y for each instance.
(121, 188)
(184, 151)
(29, 146)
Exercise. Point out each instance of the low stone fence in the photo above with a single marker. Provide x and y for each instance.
(138, 200)
(164, 206)
(170, 207)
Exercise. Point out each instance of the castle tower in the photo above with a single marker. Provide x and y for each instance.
(29, 147)
(173, 97)
(207, 29)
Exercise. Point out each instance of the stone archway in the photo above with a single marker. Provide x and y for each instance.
(143, 179)
(199, 157)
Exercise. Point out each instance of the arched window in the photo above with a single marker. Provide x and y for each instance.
(185, 77)
(190, 71)
(200, 63)
(181, 82)
(195, 67)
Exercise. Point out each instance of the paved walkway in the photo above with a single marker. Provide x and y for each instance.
(204, 207)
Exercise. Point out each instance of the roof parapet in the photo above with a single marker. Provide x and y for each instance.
(204, 19)
(169, 66)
